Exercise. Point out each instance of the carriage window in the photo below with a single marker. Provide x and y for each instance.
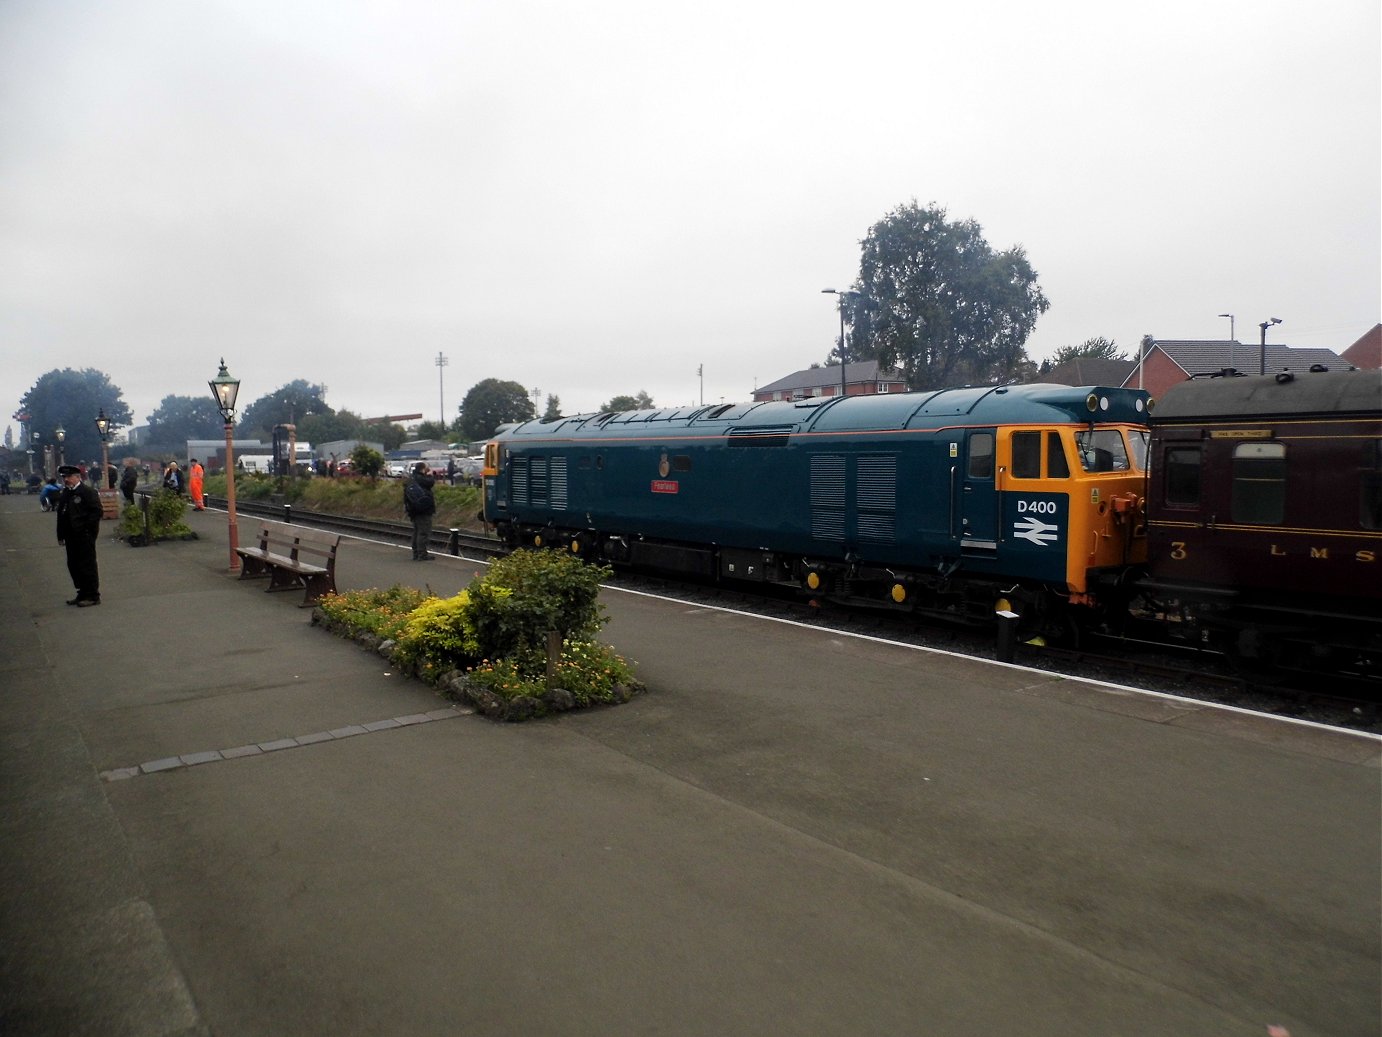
(1259, 483)
(1057, 467)
(981, 455)
(1183, 475)
(1371, 516)
(1026, 455)
(1102, 450)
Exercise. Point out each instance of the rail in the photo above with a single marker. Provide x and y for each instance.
(453, 541)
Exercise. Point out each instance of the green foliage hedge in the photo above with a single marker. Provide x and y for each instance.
(494, 634)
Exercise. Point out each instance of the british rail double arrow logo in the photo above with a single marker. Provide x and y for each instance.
(1038, 532)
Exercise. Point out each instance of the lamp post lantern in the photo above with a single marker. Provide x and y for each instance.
(1262, 350)
(103, 430)
(60, 434)
(841, 296)
(225, 388)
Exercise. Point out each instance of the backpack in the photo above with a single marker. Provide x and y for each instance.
(416, 500)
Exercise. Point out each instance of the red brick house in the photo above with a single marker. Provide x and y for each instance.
(1366, 353)
(860, 379)
(1164, 362)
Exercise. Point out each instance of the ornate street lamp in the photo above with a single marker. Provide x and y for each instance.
(60, 434)
(103, 430)
(225, 388)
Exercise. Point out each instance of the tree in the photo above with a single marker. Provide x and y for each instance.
(331, 426)
(640, 402)
(491, 403)
(367, 461)
(1097, 348)
(390, 434)
(180, 418)
(553, 410)
(433, 430)
(938, 302)
(286, 405)
(73, 399)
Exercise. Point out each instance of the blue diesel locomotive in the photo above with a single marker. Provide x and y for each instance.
(956, 502)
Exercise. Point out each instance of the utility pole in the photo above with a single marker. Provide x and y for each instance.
(700, 373)
(441, 387)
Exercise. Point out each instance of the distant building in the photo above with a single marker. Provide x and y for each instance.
(1366, 353)
(1166, 362)
(862, 378)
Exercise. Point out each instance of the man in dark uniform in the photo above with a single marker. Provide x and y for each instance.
(79, 525)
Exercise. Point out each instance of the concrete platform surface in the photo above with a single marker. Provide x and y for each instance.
(215, 819)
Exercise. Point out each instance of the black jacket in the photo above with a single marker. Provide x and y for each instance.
(79, 512)
(417, 495)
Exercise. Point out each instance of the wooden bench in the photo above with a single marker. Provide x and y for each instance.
(291, 557)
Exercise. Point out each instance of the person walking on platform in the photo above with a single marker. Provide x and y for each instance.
(129, 479)
(79, 526)
(195, 476)
(420, 506)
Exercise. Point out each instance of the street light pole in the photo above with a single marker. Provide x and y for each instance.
(1262, 352)
(225, 388)
(1232, 339)
(841, 304)
(60, 434)
(103, 430)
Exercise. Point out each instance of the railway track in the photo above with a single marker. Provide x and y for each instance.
(1152, 666)
(451, 541)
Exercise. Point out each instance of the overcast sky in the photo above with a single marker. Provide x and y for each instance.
(597, 198)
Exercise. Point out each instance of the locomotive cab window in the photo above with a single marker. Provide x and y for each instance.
(1057, 465)
(981, 455)
(1102, 450)
(1026, 450)
(1259, 483)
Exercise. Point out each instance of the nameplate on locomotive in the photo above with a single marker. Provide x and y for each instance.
(666, 486)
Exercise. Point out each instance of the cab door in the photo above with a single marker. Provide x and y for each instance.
(978, 492)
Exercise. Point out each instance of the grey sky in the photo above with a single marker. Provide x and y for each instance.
(597, 198)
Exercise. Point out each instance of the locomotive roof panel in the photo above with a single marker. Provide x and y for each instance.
(1038, 404)
(1266, 396)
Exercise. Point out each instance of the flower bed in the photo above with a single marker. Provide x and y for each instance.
(489, 645)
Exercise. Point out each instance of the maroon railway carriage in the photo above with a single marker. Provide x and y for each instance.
(1264, 511)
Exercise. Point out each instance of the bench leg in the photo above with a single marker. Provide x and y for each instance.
(281, 579)
(317, 587)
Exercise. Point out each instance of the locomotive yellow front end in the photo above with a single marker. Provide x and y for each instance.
(1080, 487)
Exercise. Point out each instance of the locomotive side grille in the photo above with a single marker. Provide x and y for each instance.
(537, 481)
(518, 480)
(828, 497)
(557, 479)
(876, 498)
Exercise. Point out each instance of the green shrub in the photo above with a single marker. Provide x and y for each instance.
(590, 671)
(525, 594)
(439, 632)
(381, 612)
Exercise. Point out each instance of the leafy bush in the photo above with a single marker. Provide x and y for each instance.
(167, 511)
(380, 612)
(440, 632)
(590, 671)
(527, 593)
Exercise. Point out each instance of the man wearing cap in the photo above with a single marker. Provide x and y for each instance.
(420, 505)
(79, 525)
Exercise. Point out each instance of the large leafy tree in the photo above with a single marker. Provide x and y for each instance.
(72, 399)
(330, 426)
(1097, 348)
(935, 300)
(642, 401)
(180, 418)
(286, 405)
(492, 402)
